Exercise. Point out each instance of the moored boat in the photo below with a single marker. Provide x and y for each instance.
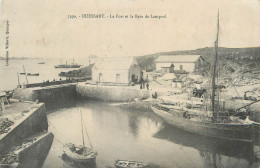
(224, 130)
(79, 155)
(209, 117)
(130, 164)
(41, 62)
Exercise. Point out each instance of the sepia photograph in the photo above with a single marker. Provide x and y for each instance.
(130, 84)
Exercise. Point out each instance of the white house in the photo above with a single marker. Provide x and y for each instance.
(186, 63)
(116, 70)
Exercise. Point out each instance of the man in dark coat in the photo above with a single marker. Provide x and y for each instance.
(147, 85)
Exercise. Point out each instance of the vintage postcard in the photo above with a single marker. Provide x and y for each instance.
(130, 84)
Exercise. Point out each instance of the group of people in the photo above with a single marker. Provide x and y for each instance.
(54, 81)
(144, 84)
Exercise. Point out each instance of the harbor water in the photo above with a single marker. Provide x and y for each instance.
(142, 136)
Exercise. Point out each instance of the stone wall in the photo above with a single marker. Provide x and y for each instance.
(34, 121)
(111, 93)
(35, 155)
(51, 95)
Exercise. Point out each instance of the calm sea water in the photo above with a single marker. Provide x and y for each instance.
(136, 135)
(122, 134)
(9, 78)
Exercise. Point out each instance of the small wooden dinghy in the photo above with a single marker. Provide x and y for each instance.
(130, 164)
(79, 154)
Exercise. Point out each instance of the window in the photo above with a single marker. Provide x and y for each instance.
(181, 67)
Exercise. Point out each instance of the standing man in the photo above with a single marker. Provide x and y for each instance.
(141, 83)
(147, 85)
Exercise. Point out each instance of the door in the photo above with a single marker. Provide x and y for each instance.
(100, 77)
(133, 78)
(181, 67)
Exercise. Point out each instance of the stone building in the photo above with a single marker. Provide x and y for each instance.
(120, 70)
(171, 63)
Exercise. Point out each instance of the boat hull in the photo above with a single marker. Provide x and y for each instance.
(78, 158)
(68, 66)
(77, 162)
(240, 132)
(80, 161)
(130, 164)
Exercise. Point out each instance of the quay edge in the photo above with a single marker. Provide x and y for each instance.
(31, 122)
(53, 95)
(111, 93)
(35, 155)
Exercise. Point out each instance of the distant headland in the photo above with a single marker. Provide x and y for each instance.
(17, 58)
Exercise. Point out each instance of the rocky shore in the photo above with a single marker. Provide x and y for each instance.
(84, 72)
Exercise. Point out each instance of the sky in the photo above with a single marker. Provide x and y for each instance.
(42, 29)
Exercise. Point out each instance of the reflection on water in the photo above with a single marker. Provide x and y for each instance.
(142, 136)
(214, 152)
(235, 149)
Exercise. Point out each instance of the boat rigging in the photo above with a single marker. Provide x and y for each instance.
(79, 155)
(207, 117)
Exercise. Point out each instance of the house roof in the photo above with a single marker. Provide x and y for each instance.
(122, 63)
(178, 58)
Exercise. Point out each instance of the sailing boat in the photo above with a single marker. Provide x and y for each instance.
(210, 119)
(79, 155)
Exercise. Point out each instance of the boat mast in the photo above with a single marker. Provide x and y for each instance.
(18, 79)
(25, 74)
(215, 113)
(82, 133)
